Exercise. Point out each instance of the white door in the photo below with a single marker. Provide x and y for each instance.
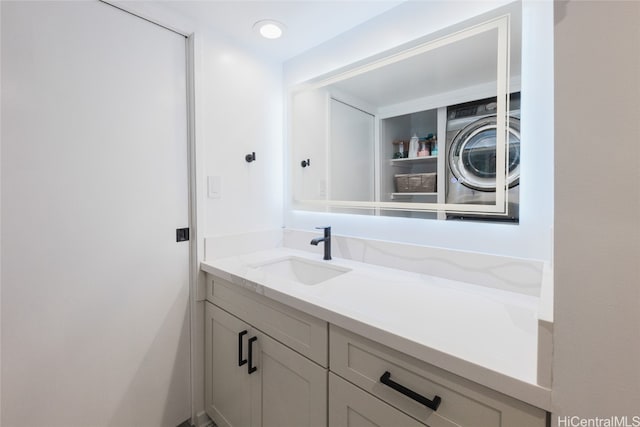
(95, 289)
(351, 157)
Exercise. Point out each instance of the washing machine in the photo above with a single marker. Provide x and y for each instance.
(471, 157)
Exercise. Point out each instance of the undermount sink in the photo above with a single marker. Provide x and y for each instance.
(301, 270)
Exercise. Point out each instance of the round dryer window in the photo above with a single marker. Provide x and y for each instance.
(472, 157)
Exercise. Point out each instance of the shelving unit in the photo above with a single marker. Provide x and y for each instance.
(408, 162)
(403, 127)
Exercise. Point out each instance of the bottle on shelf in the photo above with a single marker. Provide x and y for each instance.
(413, 146)
(424, 148)
(400, 154)
(434, 147)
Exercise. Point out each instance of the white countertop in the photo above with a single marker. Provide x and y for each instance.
(486, 335)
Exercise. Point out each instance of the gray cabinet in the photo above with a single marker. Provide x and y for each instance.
(462, 402)
(350, 406)
(227, 385)
(292, 387)
(303, 333)
(287, 390)
(252, 379)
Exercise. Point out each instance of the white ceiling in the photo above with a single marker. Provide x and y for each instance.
(308, 22)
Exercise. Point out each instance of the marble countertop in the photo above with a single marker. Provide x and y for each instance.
(486, 335)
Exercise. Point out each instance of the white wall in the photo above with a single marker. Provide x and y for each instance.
(242, 113)
(596, 369)
(0, 244)
(310, 130)
(405, 23)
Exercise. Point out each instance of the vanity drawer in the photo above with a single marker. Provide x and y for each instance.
(303, 333)
(463, 402)
(350, 406)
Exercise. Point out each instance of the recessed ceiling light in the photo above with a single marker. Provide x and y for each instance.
(269, 29)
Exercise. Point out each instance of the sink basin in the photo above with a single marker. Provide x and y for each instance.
(301, 270)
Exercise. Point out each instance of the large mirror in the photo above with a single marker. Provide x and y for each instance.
(417, 132)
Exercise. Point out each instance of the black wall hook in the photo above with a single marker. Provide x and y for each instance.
(250, 157)
(305, 163)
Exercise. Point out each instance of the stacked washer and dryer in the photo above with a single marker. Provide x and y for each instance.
(471, 157)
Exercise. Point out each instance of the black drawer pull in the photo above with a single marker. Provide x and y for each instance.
(250, 368)
(241, 361)
(431, 404)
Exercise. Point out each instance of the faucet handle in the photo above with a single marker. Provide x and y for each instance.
(327, 231)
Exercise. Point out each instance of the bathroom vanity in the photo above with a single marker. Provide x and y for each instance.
(365, 345)
(385, 334)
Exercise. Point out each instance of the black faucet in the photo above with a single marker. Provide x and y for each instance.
(327, 242)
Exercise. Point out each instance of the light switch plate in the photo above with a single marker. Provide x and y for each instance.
(214, 187)
(322, 189)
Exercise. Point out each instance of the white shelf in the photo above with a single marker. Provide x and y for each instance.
(410, 195)
(413, 160)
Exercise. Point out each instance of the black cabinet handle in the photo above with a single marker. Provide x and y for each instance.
(241, 361)
(431, 404)
(250, 368)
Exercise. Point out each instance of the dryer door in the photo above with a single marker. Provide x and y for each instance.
(472, 157)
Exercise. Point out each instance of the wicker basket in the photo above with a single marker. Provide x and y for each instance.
(416, 182)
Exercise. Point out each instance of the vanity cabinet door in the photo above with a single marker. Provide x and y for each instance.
(350, 406)
(227, 385)
(287, 389)
(261, 382)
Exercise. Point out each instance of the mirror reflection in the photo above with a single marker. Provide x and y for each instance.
(414, 134)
